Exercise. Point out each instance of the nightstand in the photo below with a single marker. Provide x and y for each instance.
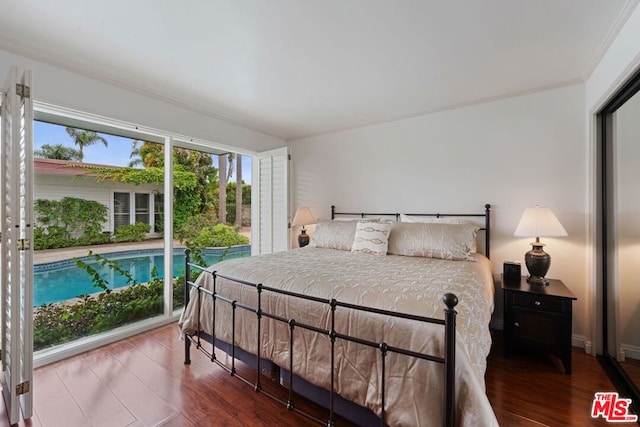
(538, 318)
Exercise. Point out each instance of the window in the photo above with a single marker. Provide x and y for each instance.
(84, 192)
(132, 207)
(121, 214)
(158, 213)
(142, 208)
(127, 202)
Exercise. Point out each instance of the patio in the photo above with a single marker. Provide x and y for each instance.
(53, 255)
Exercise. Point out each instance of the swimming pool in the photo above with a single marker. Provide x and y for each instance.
(63, 280)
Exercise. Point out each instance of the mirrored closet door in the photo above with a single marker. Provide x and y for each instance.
(626, 221)
(620, 244)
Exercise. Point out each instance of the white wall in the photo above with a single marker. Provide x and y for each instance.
(66, 89)
(621, 59)
(513, 153)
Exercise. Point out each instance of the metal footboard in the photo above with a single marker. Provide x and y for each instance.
(449, 325)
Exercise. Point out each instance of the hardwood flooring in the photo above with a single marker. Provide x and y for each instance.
(532, 389)
(632, 368)
(142, 381)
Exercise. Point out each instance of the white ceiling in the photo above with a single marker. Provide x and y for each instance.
(293, 68)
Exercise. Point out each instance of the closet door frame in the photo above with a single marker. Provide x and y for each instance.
(605, 239)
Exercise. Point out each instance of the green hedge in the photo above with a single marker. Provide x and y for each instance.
(55, 324)
(203, 231)
(220, 236)
(132, 232)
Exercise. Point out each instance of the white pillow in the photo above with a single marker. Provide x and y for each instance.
(428, 219)
(439, 220)
(433, 240)
(371, 237)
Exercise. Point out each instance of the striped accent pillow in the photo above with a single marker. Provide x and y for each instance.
(371, 237)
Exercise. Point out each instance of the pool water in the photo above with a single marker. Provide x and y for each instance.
(63, 280)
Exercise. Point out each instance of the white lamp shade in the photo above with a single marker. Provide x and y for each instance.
(304, 216)
(539, 222)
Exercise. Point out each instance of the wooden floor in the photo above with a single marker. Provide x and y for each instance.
(142, 381)
(632, 368)
(532, 389)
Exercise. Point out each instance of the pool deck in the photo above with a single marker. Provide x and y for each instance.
(53, 255)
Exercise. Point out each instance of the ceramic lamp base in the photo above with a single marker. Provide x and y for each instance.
(303, 238)
(538, 263)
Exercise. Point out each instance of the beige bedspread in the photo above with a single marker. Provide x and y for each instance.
(407, 284)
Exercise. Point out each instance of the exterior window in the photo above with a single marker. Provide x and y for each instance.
(142, 207)
(158, 215)
(121, 209)
(130, 208)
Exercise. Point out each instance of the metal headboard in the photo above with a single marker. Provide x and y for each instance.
(486, 215)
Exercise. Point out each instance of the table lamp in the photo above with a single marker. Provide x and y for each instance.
(303, 217)
(538, 222)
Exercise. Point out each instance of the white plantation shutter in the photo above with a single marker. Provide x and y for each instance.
(270, 202)
(16, 266)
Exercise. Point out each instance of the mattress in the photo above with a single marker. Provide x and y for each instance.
(414, 285)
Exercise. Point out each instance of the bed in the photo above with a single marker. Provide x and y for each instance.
(368, 328)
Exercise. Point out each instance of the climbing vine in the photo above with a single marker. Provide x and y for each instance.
(187, 198)
(69, 222)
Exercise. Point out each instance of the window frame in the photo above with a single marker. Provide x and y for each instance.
(68, 117)
(133, 213)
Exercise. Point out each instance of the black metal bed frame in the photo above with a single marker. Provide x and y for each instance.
(332, 305)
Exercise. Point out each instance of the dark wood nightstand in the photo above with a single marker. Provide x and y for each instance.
(538, 317)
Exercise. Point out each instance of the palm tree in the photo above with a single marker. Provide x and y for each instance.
(135, 156)
(83, 138)
(239, 190)
(222, 198)
(57, 151)
(225, 170)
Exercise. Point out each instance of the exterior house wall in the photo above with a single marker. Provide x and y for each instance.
(52, 187)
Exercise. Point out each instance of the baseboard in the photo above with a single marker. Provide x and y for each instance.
(628, 351)
(581, 341)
